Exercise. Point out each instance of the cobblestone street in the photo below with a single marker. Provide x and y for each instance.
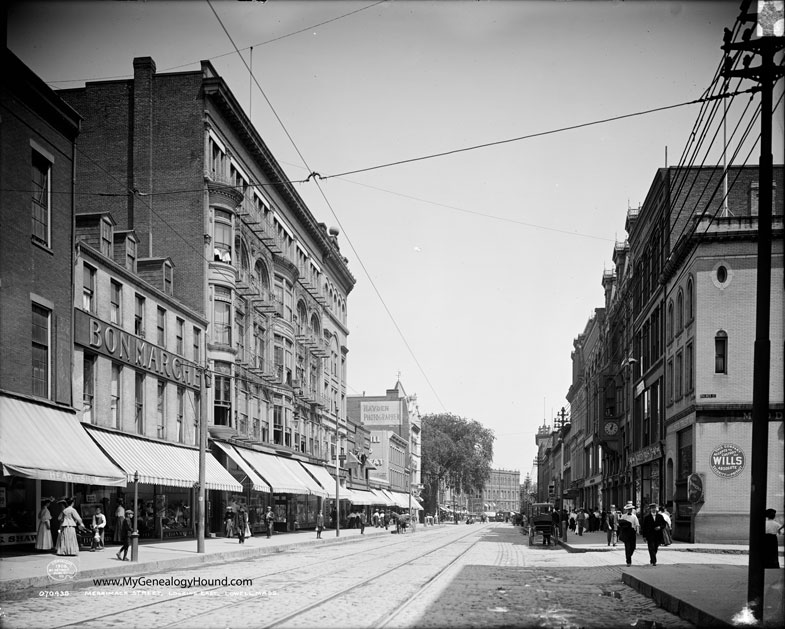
(480, 575)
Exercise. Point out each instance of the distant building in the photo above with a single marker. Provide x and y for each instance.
(500, 493)
(395, 428)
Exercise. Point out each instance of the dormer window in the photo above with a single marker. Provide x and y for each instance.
(130, 254)
(106, 237)
(167, 278)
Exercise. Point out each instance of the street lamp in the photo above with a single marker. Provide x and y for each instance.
(135, 534)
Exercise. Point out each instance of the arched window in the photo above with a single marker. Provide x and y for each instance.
(721, 352)
(690, 301)
(244, 263)
(669, 323)
(302, 317)
(680, 311)
(316, 327)
(262, 277)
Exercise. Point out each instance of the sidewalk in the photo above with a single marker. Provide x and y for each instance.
(708, 595)
(25, 571)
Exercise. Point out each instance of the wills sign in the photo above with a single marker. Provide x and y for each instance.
(727, 460)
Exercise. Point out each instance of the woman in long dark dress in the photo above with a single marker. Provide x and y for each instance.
(67, 541)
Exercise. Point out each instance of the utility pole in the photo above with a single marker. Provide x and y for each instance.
(201, 508)
(766, 46)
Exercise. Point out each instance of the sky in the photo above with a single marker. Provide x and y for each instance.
(475, 270)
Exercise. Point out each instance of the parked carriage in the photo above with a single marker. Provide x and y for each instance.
(540, 522)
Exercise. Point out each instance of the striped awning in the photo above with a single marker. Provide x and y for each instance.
(382, 498)
(38, 441)
(399, 499)
(159, 463)
(257, 483)
(322, 476)
(364, 498)
(270, 468)
(296, 468)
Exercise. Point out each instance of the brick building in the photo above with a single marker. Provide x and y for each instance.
(668, 384)
(44, 451)
(173, 158)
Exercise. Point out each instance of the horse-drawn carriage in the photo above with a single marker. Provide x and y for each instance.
(540, 521)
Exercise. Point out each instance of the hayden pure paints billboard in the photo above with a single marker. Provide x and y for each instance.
(381, 412)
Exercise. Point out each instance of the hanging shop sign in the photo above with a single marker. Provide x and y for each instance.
(727, 460)
(649, 453)
(694, 488)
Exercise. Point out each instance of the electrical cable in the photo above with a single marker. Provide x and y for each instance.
(346, 237)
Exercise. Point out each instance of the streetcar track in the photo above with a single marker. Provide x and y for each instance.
(368, 581)
(235, 602)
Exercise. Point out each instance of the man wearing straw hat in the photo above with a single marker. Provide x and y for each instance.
(628, 531)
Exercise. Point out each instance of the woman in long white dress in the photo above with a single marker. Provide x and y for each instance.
(43, 538)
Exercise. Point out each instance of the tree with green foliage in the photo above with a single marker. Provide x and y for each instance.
(456, 453)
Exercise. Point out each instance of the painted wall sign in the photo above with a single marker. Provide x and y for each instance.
(727, 460)
(380, 412)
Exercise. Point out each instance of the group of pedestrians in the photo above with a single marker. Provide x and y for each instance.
(625, 526)
(69, 525)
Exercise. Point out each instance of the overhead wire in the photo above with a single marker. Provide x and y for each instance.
(346, 237)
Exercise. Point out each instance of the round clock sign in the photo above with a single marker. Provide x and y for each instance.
(727, 460)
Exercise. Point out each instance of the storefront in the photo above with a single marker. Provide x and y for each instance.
(646, 465)
(256, 495)
(296, 496)
(168, 476)
(46, 453)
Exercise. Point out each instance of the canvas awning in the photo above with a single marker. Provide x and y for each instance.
(275, 473)
(38, 441)
(257, 483)
(298, 471)
(401, 500)
(161, 463)
(381, 498)
(322, 476)
(364, 498)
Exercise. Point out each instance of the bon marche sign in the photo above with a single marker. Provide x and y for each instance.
(727, 460)
(109, 340)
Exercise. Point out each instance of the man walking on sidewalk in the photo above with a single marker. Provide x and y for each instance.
(653, 525)
(269, 519)
(613, 525)
(628, 531)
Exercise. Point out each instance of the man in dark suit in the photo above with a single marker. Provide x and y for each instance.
(651, 530)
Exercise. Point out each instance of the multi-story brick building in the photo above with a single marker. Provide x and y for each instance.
(673, 374)
(710, 286)
(44, 451)
(173, 158)
(395, 428)
(500, 494)
(138, 356)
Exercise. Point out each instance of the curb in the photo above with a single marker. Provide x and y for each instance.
(125, 569)
(671, 603)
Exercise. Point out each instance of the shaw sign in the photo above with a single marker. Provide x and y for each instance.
(727, 460)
